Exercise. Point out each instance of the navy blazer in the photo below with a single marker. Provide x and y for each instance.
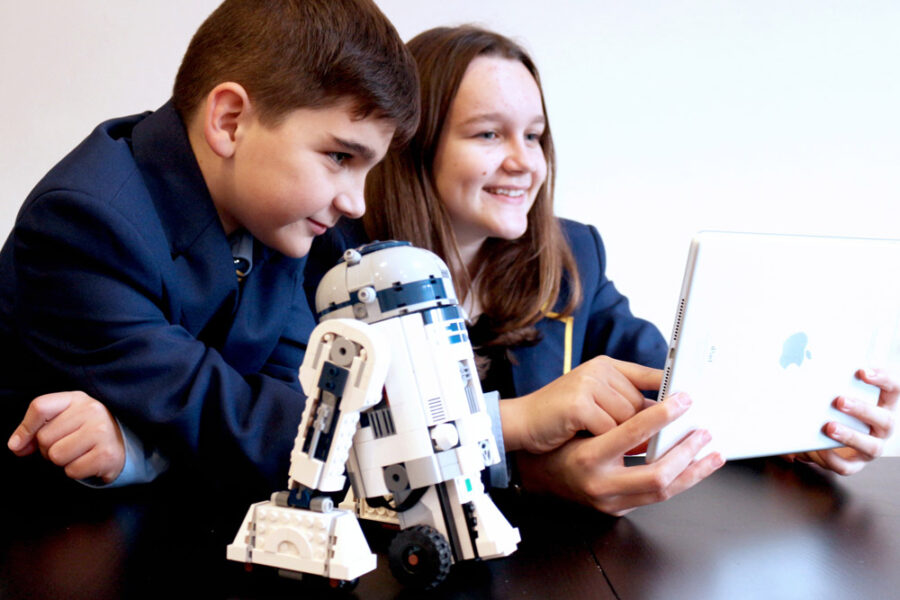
(118, 280)
(602, 324)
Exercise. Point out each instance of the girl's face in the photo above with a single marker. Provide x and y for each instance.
(489, 163)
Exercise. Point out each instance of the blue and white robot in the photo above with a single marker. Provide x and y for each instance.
(395, 406)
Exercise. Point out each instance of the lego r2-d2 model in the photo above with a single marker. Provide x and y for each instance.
(395, 406)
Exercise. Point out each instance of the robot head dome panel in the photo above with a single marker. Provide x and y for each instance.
(381, 280)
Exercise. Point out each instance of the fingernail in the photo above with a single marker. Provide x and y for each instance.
(870, 373)
(837, 432)
(15, 442)
(682, 399)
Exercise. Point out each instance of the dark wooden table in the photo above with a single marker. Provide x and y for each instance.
(756, 529)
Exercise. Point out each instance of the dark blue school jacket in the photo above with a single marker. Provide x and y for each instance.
(118, 280)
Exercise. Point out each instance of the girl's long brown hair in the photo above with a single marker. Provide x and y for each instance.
(518, 281)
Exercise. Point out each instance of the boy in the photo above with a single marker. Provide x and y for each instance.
(158, 266)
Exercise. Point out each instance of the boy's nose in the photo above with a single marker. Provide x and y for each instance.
(351, 203)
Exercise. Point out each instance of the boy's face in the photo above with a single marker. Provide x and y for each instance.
(290, 182)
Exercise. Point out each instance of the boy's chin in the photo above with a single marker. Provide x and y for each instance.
(294, 247)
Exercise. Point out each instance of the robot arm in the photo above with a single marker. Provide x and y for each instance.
(343, 373)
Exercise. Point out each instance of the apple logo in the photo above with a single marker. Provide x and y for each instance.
(794, 350)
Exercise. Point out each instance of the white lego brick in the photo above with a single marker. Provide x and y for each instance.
(448, 464)
(424, 471)
(426, 511)
(393, 449)
(333, 288)
(333, 475)
(240, 548)
(496, 537)
(353, 471)
(423, 358)
(372, 481)
(363, 435)
(324, 544)
(469, 459)
(351, 556)
(363, 510)
(474, 430)
(305, 469)
(458, 517)
(358, 276)
(446, 373)
(401, 384)
(444, 436)
(367, 371)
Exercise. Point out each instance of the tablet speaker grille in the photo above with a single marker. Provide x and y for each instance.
(676, 330)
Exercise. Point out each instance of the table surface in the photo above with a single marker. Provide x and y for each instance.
(755, 529)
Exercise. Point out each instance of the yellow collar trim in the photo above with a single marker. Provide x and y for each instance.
(569, 322)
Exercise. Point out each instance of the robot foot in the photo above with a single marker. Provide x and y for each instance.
(329, 545)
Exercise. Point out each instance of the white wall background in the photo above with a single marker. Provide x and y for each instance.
(669, 116)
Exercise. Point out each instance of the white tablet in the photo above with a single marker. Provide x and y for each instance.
(770, 329)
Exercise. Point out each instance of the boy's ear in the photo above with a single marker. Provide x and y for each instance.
(227, 105)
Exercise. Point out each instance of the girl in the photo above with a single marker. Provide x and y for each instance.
(475, 186)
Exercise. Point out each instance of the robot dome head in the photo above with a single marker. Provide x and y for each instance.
(381, 280)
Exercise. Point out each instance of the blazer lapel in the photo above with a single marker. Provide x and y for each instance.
(543, 362)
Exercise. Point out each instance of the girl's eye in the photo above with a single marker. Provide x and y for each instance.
(533, 137)
(339, 157)
(488, 135)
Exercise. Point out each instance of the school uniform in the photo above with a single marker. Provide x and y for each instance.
(601, 325)
(118, 279)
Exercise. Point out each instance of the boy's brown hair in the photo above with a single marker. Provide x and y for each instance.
(291, 54)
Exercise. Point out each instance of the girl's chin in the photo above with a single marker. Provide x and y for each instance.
(509, 233)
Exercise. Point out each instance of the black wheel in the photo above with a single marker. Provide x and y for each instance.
(420, 557)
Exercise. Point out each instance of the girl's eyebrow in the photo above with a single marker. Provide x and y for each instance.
(496, 116)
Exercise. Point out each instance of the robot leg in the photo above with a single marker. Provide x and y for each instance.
(299, 531)
(455, 520)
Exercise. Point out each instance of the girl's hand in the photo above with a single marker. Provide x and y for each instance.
(592, 471)
(596, 397)
(859, 448)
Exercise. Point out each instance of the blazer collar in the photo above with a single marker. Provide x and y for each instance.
(170, 170)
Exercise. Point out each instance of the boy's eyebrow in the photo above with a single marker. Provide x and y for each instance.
(356, 148)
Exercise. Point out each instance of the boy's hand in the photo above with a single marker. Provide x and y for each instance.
(596, 397)
(73, 431)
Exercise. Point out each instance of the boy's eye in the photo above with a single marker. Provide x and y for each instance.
(339, 157)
